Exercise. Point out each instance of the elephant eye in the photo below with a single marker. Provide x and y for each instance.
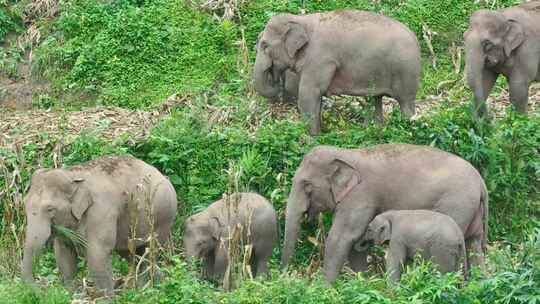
(51, 209)
(308, 188)
(264, 45)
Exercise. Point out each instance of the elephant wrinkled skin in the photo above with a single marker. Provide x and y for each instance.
(92, 199)
(358, 184)
(206, 232)
(345, 52)
(433, 235)
(503, 42)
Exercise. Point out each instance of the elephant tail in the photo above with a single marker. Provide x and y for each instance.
(465, 262)
(484, 208)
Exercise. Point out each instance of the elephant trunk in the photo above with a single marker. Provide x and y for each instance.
(37, 235)
(264, 78)
(475, 64)
(297, 205)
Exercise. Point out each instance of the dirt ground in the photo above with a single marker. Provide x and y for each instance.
(20, 127)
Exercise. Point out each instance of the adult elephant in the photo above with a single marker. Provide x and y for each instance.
(345, 52)
(358, 184)
(94, 199)
(503, 42)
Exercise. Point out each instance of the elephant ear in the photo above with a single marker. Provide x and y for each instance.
(514, 37)
(343, 180)
(257, 41)
(81, 199)
(215, 227)
(295, 38)
(384, 231)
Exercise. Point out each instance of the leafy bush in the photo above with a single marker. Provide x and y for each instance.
(24, 294)
(132, 55)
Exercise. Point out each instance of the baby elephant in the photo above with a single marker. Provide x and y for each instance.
(206, 232)
(434, 235)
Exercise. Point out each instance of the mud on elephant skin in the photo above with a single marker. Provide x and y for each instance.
(357, 184)
(345, 52)
(92, 199)
(433, 235)
(504, 42)
(206, 232)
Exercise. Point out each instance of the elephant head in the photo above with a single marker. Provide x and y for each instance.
(277, 48)
(379, 230)
(201, 235)
(489, 41)
(55, 197)
(324, 179)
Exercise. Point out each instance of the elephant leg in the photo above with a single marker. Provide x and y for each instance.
(475, 254)
(101, 242)
(445, 259)
(348, 226)
(100, 267)
(312, 88)
(262, 266)
(358, 260)
(407, 104)
(310, 108)
(208, 264)
(519, 94)
(221, 262)
(397, 256)
(260, 261)
(66, 259)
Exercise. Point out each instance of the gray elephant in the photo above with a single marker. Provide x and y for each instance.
(206, 232)
(345, 52)
(503, 42)
(92, 199)
(435, 236)
(357, 184)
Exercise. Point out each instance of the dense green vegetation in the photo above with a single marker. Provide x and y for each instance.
(136, 53)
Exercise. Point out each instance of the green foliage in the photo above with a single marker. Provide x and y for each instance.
(18, 293)
(9, 21)
(131, 55)
(516, 280)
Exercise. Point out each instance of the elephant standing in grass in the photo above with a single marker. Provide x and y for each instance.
(358, 184)
(345, 52)
(97, 199)
(206, 232)
(433, 235)
(503, 42)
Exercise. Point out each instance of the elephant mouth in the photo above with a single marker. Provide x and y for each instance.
(491, 62)
(363, 245)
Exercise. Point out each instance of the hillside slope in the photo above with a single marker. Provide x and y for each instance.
(169, 82)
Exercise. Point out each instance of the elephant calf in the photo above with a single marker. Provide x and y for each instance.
(433, 235)
(92, 199)
(504, 42)
(356, 185)
(206, 232)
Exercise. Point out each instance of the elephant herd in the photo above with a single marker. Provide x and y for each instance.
(418, 199)
(348, 52)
